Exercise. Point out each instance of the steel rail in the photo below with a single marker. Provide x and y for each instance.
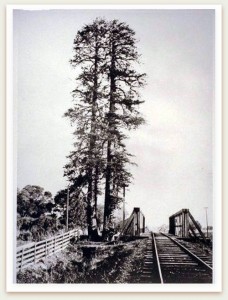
(157, 259)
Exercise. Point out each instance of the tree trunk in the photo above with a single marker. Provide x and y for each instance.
(91, 207)
(96, 180)
(107, 188)
(107, 211)
(89, 210)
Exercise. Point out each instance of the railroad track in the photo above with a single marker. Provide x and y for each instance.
(147, 275)
(177, 264)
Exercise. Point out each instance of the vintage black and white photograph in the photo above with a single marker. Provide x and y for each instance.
(114, 113)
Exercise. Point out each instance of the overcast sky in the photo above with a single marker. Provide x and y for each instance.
(173, 150)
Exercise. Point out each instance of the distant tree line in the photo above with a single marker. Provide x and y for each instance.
(39, 215)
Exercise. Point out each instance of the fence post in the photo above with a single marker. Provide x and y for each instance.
(22, 256)
(46, 248)
(73, 233)
(62, 240)
(35, 253)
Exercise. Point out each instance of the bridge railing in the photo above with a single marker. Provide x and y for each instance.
(134, 225)
(33, 252)
(183, 225)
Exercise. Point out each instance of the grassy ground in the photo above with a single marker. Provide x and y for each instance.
(118, 264)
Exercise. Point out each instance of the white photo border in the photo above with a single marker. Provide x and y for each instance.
(11, 286)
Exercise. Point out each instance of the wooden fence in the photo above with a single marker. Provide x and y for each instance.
(33, 252)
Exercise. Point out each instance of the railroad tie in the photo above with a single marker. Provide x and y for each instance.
(146, 276)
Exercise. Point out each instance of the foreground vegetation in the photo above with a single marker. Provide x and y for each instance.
(120, 264)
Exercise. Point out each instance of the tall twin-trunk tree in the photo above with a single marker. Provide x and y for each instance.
(106, 99)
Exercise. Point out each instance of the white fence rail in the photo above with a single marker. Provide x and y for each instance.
(33, 252)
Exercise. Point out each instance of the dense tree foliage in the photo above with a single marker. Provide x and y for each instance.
(36, 216)
(77, 217)
(40, 216)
